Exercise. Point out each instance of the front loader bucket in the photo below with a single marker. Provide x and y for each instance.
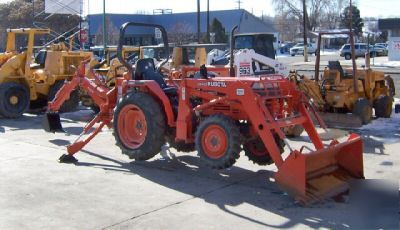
(52, 123)
(324, 173)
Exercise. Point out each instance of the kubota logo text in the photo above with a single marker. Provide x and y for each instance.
(213, 84)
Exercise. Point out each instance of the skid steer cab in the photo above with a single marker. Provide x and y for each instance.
(218, 118)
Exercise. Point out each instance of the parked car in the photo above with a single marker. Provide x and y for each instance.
(285, 47)
(378, 50)
(360, 50)
(299, 49)
(382, 44)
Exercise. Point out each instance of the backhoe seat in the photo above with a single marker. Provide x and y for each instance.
(335, 65)
(145, 70)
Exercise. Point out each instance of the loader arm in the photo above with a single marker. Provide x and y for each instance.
(244, 58)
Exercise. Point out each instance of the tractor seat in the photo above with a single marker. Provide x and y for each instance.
(145, 70)
(335, 65)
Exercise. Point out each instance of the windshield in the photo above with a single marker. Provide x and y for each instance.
(261, 43)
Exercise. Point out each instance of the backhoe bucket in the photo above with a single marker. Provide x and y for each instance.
(52, 123)
(322, 174)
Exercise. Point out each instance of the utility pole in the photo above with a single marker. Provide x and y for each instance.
(239, 2)
(208, 20)
(198, 21)
(104, 29)
(33, 13)
(353, 58)
(305, 31)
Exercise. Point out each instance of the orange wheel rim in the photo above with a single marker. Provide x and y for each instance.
(132, 126)
(214, 141)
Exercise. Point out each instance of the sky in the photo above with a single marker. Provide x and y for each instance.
(368, 8)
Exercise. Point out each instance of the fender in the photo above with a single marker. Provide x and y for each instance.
(155, 90)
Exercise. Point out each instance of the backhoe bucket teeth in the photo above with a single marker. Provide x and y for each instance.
(322, 174)
(52, 123)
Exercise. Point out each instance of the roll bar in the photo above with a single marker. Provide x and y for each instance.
(122, 40)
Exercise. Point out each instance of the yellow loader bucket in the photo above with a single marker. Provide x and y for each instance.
(324, 173)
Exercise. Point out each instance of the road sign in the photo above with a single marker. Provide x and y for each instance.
(157, 33)
(83, 38)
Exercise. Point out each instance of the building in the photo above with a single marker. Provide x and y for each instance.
(392, 25)
(186, 22)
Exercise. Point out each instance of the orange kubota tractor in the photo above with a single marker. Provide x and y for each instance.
(221, 116)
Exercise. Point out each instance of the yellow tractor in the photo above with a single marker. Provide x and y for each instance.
(347, 97)
(27, 79)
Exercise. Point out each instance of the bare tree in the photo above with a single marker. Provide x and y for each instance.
(181, 33)
(112, 33)
(320, 13)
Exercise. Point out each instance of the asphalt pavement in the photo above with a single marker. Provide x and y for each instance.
(106, 190)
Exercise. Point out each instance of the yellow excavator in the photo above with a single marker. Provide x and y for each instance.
(27, 79)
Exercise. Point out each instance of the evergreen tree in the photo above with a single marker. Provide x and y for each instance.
(357, 24)
(217, 28)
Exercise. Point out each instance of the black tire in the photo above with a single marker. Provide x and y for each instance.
(257, 153)
(347, 56)
(292, 55)
(373, 54)
(363, 109)
(225, 126)
(383, 106)
(95, 108)
(69, 105)
(154, 117)
(14, 99)
(181, 146)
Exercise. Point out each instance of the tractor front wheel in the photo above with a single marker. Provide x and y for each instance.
(363, 110)
(383, 106)
(69, 105)
(257, 153)
(218, 141)
(14, 99)
(139, 126)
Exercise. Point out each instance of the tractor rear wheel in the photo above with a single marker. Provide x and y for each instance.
(383, 106)
(139, 126)
(217, 141)
(69, 105)
(14, 99)
(363, 110)
(257, 153)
